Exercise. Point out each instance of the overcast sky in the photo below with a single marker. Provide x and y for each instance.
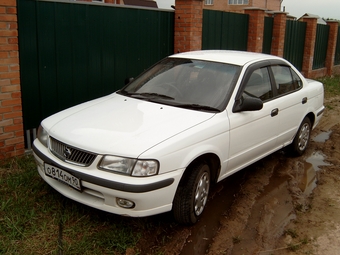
(323, 8)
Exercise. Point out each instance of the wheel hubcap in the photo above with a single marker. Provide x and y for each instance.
(304, 136)
(201, 194)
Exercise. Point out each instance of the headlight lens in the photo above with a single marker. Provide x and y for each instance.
(145, 168)
(129, 166)
(42, 135)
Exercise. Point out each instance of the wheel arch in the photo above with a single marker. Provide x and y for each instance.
(213, 162)
(311, 117)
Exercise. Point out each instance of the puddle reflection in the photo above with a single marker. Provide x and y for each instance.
(322, 137)
(308, 181)
(317, 159)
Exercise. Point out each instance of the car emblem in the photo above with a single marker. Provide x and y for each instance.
(67, 152)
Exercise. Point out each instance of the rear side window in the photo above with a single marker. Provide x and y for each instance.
(286, 79)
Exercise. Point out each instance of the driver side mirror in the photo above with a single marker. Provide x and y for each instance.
(248, 104)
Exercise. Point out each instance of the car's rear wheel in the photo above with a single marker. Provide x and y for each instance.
(301, 140)
(192, 194)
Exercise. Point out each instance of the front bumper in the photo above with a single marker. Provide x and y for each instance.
(100, 189)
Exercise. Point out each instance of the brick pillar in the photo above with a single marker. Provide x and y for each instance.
(11, 124)
(308, 54)
(188, 25)
(255, 29)
(279, 32)
(332, 40)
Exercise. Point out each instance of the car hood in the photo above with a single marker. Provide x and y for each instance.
(120, 125)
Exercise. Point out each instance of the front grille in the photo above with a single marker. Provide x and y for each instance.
(70, 154)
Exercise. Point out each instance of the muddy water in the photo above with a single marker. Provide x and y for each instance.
(322, 137)
(274, 208)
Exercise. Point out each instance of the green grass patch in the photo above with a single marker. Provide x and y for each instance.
(35, 219)
(331, 85)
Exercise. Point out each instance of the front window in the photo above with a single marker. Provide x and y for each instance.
(259, 85)
(208, 2)
(239, 2)
(193, 84)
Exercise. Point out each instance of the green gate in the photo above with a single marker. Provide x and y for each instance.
(295, 42)
(224, 30)
(267, 35)
(337, 49)
(71, 52)
(321, 44)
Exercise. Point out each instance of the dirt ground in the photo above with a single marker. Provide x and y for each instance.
(283, 205)
(296, 206)
(295, 209)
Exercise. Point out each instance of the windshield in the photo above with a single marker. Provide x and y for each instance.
(194, 84)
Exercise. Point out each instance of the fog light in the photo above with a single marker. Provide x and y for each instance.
(125, 203)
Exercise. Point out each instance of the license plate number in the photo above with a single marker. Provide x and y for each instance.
(63, 176)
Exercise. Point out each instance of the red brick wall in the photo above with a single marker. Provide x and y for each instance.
(11, 125)
(279, 31)
(255, 29)
(188, 25)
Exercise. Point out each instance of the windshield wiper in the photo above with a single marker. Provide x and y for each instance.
(157, 95)
(198, 107)
(146, 95)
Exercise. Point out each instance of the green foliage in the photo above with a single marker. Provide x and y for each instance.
(331, 85)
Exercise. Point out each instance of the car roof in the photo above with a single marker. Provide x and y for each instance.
(226, 56)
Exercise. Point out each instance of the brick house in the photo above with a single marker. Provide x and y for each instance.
(141, 3)
(239, 5)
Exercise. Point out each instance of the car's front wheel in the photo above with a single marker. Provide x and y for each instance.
(192, 194)
(302, 138)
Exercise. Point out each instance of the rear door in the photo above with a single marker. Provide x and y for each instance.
(291, 101)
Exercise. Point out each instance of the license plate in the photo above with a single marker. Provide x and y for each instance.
(63, 176)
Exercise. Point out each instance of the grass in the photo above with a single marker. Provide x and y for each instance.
(331, 85)
(35, 219)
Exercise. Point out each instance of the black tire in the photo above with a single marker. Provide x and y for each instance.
(301, 140)
(192, 194)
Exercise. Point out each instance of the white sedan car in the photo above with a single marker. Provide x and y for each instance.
(191, 120)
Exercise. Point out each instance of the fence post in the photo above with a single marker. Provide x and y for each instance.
(279, 32)
(332, 40)
(256, 29)
(188, 25)
(11, 124)
(308, 55)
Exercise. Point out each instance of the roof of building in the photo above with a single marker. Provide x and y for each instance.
(320, 20)
(143, 3)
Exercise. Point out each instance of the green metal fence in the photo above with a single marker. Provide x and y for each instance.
(321, 43)
(295, 42)
(337, 50)
(267, 35)
(71, 52)
(224, 30)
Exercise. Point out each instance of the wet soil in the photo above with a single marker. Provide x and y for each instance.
(280, 205)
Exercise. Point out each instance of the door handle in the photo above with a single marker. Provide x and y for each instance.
(304, 100)
(274, 112)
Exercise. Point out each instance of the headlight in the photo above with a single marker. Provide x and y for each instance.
(145, 168)
(129, 166)
(42, 135)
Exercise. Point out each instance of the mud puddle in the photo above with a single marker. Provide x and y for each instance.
(322, 137)
(286, 186)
